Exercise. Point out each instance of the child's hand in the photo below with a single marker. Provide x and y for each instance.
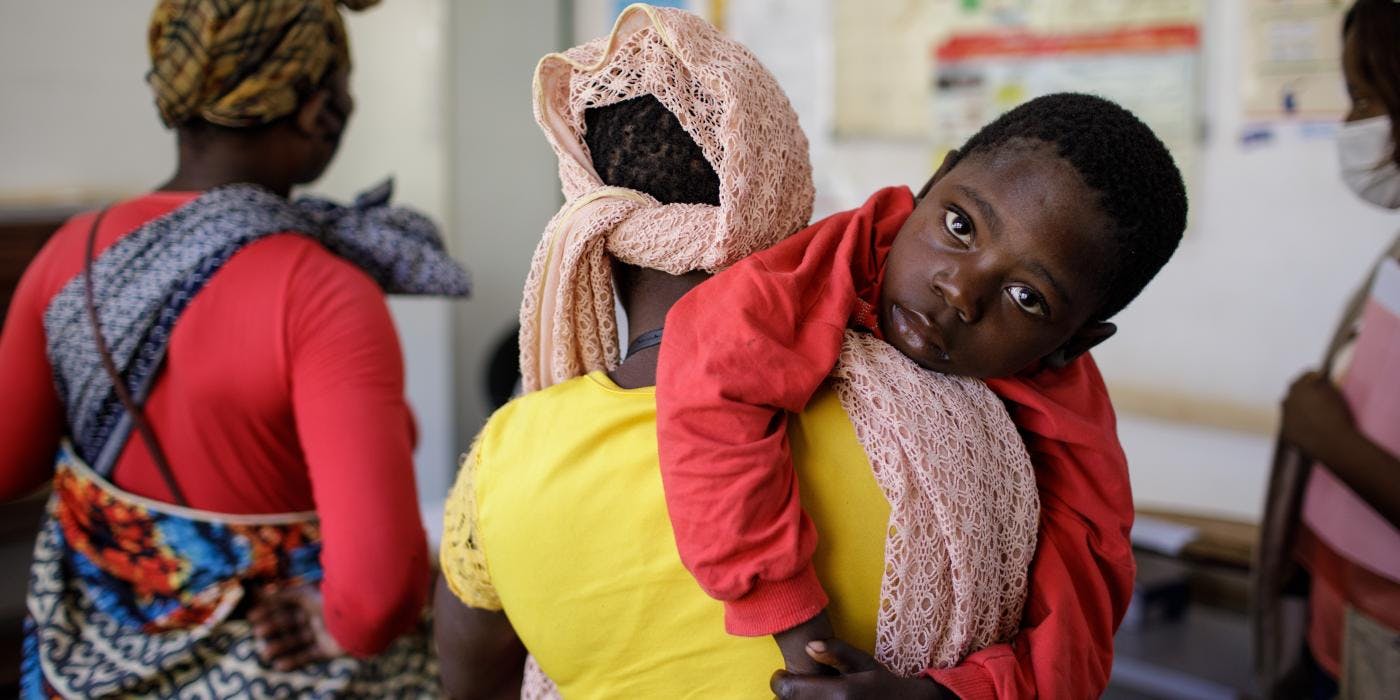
(793, 644)
(861, 676)
(289, 629)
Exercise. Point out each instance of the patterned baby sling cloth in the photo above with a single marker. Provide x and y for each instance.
(134, 597)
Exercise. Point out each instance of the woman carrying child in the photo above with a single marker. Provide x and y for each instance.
(557, 514)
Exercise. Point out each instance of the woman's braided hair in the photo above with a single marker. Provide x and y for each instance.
(640, 145)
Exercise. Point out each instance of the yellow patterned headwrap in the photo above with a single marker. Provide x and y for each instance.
(243, 63)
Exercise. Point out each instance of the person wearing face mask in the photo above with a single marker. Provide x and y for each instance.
(1327, 575)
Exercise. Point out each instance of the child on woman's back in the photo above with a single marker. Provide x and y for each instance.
(1005, 268)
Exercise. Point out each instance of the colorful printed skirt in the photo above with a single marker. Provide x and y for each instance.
(132, 597)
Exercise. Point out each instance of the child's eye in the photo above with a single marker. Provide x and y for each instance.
(958, 226)
(1029, 301)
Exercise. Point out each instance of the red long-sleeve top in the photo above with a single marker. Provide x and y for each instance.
(758, 340)
(282, 391)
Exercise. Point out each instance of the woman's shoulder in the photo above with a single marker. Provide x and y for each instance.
(301, 252)
(308, 271)
(587, 404)
(564, 397)
(61, 257)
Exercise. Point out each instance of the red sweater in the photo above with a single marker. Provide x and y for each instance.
(758, 340)
(282, 391)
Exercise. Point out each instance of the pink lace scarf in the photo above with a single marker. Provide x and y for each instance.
(964, 509)
(962, 494)
(743, 123)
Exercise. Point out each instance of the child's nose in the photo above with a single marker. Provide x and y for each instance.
(962, 288)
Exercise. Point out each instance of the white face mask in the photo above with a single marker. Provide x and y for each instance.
(1365, 148)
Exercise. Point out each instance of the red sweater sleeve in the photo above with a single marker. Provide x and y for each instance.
(1082, 577)
(357, 435)
(756, 341)
(31, 415)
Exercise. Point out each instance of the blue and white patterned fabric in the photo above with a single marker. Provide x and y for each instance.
(143, 282)
(133, 598)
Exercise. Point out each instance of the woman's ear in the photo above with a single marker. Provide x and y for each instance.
(948, 162)
(1082, 341)
(311, 115)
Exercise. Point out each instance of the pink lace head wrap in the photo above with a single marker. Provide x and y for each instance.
(733, 108)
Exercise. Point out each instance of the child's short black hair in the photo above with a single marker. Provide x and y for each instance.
(1139, 185)
(640, 145)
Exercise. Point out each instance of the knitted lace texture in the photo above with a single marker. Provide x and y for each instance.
(738, 115)
(535, 685)
(463, 559)
(963, 505)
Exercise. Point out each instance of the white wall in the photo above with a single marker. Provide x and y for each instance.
(504, 173)
(1277, 243)
(1251, 298)
(77, 124)
(76, 119)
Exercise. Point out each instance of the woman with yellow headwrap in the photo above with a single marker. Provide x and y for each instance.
(261, 537)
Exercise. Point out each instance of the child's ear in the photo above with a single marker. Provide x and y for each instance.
(948, 162)
(1081, 342)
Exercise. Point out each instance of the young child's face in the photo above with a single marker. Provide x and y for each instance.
(998, 265)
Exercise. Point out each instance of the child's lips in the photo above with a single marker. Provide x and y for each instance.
(919, 333)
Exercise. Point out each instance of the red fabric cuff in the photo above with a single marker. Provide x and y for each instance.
(774, 606)
(966, 681)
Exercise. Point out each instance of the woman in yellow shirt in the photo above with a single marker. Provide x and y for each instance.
(556, 533)
(559, 521)
(570, 538)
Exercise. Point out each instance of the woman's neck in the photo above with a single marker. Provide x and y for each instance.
(206, 163)
(650, 297)
(199, 179)
(637, 370)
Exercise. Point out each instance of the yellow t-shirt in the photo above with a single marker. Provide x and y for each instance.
(558, 518)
